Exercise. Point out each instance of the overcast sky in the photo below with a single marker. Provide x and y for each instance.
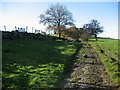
(24, 14)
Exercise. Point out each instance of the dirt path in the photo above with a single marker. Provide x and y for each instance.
(88, 71)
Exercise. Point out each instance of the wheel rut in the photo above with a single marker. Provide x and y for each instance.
(88, 71)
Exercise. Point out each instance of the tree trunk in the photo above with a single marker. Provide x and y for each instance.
(55, 32)
(96, 37)
(59, 31)
(59, 34)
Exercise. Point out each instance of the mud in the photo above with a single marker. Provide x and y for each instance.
(88, 72)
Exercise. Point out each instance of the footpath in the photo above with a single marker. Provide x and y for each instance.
(88, 71)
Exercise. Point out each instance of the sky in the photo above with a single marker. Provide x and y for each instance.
(22, 14)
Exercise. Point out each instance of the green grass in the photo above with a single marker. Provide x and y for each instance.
(35, 63)
(110, 47)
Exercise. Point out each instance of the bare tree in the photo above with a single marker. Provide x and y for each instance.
(93, 28)
(56, 17)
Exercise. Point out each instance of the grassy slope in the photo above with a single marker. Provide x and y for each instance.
(35, 63)
(110, 48)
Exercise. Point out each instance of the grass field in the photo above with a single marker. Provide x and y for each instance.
(108, 52)
(43, 63)
(35, 63)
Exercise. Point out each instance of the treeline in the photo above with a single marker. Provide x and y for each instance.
(58, 18)
(91, 29)
(88, 30)
(75, 34)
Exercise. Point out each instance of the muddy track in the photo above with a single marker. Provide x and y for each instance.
(88, 71)
(113, 59)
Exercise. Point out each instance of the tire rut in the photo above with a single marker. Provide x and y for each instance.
(88, 71)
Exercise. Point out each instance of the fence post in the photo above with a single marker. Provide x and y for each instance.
(32, 29)
(15, 27)
(5, 27)
(26, 28)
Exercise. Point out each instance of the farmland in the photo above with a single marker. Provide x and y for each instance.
(44, 45)
(32, 63)
(107, 50)
(36, 63)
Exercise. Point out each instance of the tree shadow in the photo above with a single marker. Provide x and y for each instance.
(28, 53)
